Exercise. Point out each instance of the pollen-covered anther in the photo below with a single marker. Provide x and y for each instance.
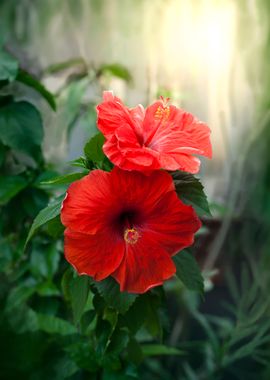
(162, 113)
(131, 235)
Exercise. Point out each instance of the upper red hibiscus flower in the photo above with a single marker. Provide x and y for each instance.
(161, 136)
(127, 225)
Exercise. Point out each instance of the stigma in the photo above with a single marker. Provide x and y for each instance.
(131, 235)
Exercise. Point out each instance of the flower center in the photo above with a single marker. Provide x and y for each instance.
(162, 113)
(131, 235)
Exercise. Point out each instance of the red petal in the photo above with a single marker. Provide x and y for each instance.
(144, 265)
(95, 255)
(137, 190)
(137, 114)
(112, 113)
(186, 163)
(127, 137)
(186, 135)
(89, 204)
(124, 150)
(123, 154)
(176, 136)
(173, 223)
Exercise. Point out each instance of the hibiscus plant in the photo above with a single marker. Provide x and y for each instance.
(124, 225)
(129, 210)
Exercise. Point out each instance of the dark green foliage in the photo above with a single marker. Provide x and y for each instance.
(57, 67)
(95, 158)
(8, 67)
(188, 272)
(190, 191)
(21, 127)
(109, 290)
(93, 149)
(115, 70)
(10, 186)
(159, 349)
(46, 215)
(76, 289)
(30, 81)
(63, 179)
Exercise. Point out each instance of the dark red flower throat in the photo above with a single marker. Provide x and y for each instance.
(129, 222)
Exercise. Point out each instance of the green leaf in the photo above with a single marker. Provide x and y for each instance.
(159, 349)
(93, 149)
(76, 290)
(48, 289)
(2, 154)
(21, 127)
(83, 355)
(3, 83)
(46, 175)
(64, 179)
(8, 66)
(19, 295)
(38, 262)
(110, 291)
(22, 319)
(118, 342)
(79, 288)
(152, 310)
(54, 325)
(33, 200)
(134, 351)
(45, 215)
(65, 283)
(5, 100)
(87, 321)
(30, 81)
(99, 304)
(110, 315)
(57, 67)
(116, 70)
(10, 186)
(190, 191)
(79, 163)
(187, 270)
(103, 330)
(136, 315)
(64, 368)
(55, 228)
(6, 255)
(44, 260)
(117, 375)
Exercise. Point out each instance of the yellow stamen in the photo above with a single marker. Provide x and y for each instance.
(162, 113)
(131, 235)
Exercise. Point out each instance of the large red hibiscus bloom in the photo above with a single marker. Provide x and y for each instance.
(161, 136)
(127, 225)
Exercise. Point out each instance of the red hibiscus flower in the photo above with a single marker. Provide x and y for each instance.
(126, 225)
(161, 136)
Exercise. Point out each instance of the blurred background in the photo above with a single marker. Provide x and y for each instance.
(205, 55)
(211, 57)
